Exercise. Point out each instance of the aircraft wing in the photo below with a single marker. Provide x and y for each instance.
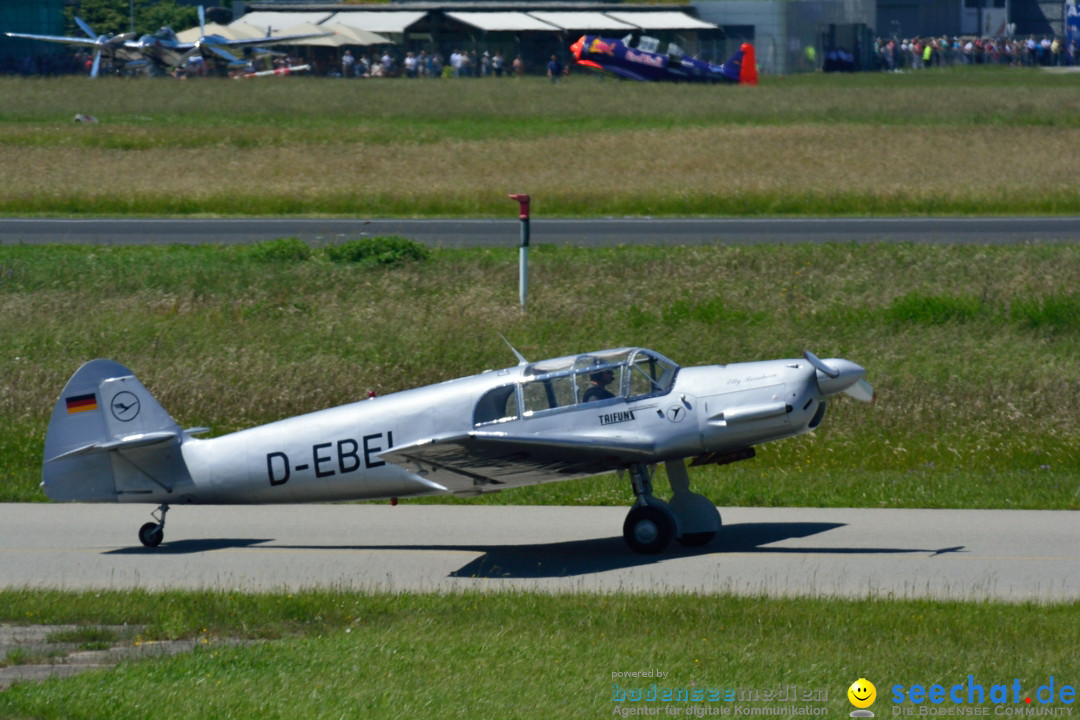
(624, 73)
(612, 69)
(88, 42)
(481, 458)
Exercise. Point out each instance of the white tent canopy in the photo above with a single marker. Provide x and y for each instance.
(194, 33)
(663, 20)
(307, 28)
(502, 21)
(582, 20)
(340, 36)
(355, 36)
(239, 30)
(278, 21)
(390, 21)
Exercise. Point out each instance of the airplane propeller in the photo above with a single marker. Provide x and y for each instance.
(101, 43)
(862, 391)
(208, 42)
(841, 376)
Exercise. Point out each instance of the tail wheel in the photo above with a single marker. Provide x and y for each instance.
(648, 529)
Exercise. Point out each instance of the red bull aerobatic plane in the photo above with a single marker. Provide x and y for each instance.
(644, 61)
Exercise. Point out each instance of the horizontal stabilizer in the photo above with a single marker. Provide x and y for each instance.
(125, 443)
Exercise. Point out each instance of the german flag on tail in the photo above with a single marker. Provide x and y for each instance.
(81, 403)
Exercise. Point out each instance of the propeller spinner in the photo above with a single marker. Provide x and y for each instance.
(839, 375)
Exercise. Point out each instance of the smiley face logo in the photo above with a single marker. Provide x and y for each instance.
(862, 693)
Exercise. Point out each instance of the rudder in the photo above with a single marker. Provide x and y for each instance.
(108, 437)
(741, 67)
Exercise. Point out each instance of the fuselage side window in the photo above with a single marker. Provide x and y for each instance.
(537, 396)
(563, 387)
(650, 374)
(496, 405)
(548, 393)
(602, 384)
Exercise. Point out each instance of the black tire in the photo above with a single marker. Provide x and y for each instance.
(151, 534)
(696, 539)
(648, 529)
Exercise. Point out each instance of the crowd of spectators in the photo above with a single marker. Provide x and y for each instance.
(923, 52)
(427, 65)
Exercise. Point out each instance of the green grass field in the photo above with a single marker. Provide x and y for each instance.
(980, 141)
(972, 349)
(334, 654)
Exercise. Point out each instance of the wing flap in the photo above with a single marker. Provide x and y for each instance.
(478, 458)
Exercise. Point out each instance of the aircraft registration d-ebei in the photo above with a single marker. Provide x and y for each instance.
(646, 62)
(626, 409)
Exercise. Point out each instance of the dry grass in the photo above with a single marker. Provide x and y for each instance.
(932, 143)
(603, 169)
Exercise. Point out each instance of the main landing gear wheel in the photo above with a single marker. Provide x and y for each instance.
(152, 533)
(690, 518)
(648, 529)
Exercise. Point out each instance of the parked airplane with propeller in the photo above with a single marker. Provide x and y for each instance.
(645, 61)
(119, 48)
(626, 409)
(162, 51)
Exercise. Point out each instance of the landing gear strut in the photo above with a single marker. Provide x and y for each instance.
(151, 534)
(651, 523)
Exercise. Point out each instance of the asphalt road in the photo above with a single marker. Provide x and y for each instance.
(964, 554)
(491, 233)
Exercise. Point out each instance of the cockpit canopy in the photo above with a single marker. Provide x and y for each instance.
(646, 43)
(567, 382)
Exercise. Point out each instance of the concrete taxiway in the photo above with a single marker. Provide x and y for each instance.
(587, 232)
(962, 554)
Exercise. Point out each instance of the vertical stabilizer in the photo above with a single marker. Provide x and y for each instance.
(108, 437)
(741, 67)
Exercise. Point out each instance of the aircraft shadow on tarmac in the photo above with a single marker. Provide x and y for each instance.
(576, 557)
(584, 557)
(188, 547)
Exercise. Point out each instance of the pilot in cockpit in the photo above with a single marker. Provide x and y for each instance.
(598, 382)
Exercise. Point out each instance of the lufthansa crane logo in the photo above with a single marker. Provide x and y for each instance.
(124, 406)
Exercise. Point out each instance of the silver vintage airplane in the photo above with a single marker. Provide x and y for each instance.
(625, 409)
(162, 51)
(119, 48)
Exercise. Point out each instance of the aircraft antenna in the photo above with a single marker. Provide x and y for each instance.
(520, 357)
